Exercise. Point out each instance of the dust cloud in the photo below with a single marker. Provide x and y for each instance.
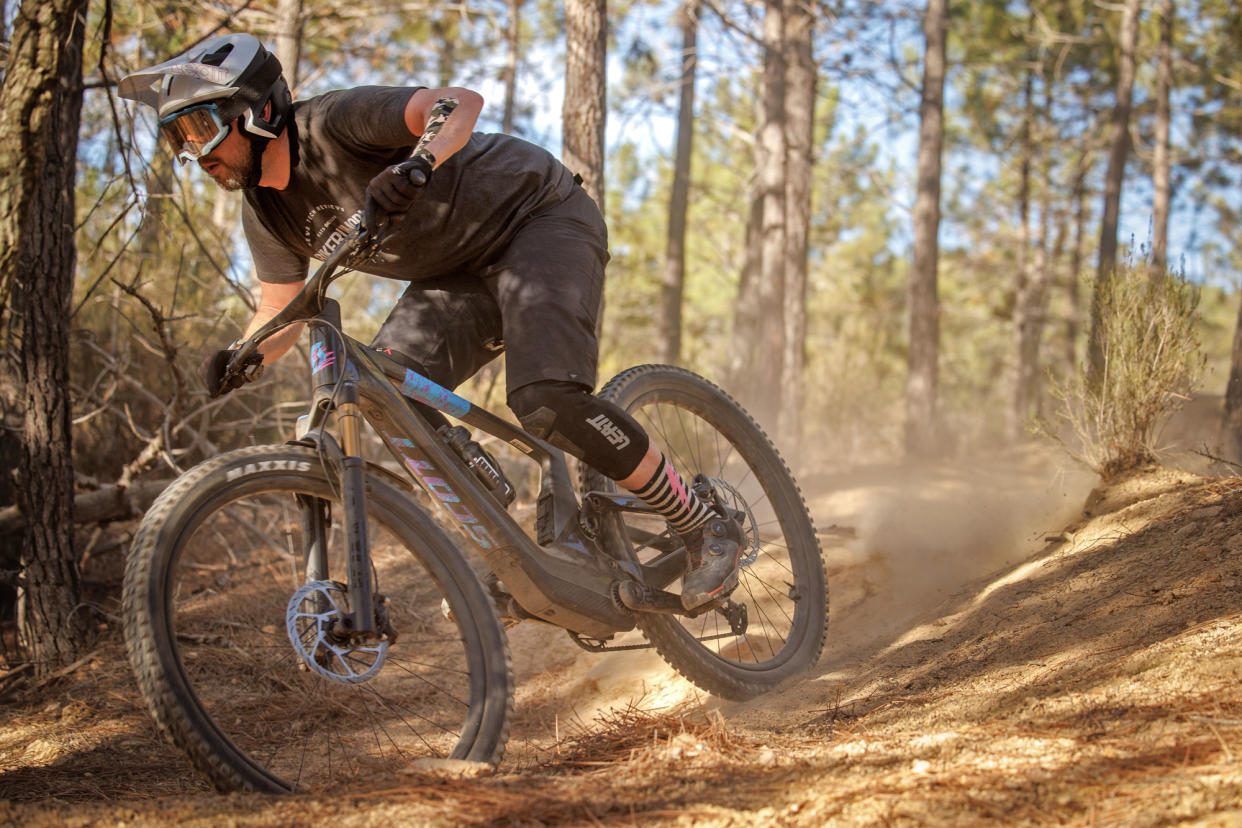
(920, 534)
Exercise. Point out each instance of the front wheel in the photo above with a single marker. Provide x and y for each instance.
(244, 656)
(774, 627)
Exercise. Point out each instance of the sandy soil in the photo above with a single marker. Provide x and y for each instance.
(1007, 646)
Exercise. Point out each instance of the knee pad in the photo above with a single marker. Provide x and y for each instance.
(569, 417)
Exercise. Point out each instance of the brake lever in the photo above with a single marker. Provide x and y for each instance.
(367, 246)
(241, 371)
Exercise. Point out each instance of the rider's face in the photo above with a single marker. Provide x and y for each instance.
(231, 162)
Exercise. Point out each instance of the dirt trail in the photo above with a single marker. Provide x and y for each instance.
(996, 656)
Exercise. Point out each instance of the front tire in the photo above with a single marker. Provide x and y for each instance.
(702, 430)
(208, 586)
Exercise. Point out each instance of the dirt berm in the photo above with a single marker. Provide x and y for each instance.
(999, 654)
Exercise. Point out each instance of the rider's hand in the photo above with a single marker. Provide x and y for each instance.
(212, 373)
(394, 190)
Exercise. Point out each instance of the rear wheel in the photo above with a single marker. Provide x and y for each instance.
(774, 627)
(244, 661)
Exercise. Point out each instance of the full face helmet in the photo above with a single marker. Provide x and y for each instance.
(199, 94)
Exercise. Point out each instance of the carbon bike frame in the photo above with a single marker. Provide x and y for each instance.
(562, 577)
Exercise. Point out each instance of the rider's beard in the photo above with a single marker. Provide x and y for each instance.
(234, 176)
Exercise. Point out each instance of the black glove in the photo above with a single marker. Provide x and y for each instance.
(394, 190)
(212, 372)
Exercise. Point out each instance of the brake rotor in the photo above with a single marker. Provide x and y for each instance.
(315, 622)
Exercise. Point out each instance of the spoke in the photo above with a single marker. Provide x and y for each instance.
(778, 598)
(393, 659)
(772, 558)
(690, 444)
(297, 718)
(430, 683)
(414, 714)
(764, 622)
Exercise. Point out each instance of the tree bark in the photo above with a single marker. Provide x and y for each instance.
(800, 82)
(1118, 153)
(513, 37)
(746, 308)
(922, 376)
(1018, 401)
(586, 93)
(289, 40)
(1231, 423)
(1161, 161)
(673, 283)
(1074, 296)
(40, 110)
(37, 52)
(766, 371)
(111, 502)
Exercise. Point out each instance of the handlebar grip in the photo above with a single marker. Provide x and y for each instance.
(417, 177)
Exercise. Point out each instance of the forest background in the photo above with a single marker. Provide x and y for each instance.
(881, 225)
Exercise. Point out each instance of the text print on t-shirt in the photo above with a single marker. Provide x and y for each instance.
(326, 227)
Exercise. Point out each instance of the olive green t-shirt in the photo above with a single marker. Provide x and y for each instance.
(466, 214)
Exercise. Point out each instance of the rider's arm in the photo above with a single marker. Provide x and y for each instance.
(273, 297)
(453, 134)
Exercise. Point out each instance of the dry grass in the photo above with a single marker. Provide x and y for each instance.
(1095, 684)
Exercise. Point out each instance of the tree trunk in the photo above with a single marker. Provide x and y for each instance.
(586, 93)
(513, 36)
(746, 309)
(800, 80)
(444, 33)
(1018, 401)
(673, 283)
(289, 40)
(1119, 151)
(768, 350)
(1160, 162)
(40, 110)
(1231, 423)
(1075, 271)
(27, 98)
(922, 366)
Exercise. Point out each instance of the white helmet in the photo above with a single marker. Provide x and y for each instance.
(232, 75)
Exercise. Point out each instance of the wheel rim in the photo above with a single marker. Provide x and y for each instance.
(233, 579)
(697, 440)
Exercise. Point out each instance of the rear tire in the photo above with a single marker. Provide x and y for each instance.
(208, 585)
(702, 430)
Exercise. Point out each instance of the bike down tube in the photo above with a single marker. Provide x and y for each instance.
(578, 598)
(556, 486)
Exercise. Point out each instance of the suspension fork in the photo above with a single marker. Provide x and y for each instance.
(316, 518)
(353, 498)
(328, 367)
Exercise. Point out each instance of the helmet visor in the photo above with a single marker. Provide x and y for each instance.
(194, 131)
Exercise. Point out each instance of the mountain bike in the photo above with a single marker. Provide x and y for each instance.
(296, 618)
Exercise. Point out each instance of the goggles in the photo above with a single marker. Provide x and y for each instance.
(194, 131)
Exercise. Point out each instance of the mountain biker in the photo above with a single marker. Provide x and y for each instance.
(505, 251)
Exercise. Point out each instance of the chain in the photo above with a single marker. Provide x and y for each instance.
(596, 645)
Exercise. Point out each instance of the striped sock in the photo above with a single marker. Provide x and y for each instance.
(673, 500)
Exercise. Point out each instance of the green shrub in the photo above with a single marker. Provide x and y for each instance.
(1151, 362)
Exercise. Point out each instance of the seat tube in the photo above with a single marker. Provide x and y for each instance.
(353, 498)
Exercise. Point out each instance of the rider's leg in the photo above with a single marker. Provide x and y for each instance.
(548, 283)
(608, 439)
(446, 329)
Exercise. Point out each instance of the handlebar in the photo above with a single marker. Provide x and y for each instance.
(354, 249)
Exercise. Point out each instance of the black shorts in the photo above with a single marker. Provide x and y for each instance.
(538, 301)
